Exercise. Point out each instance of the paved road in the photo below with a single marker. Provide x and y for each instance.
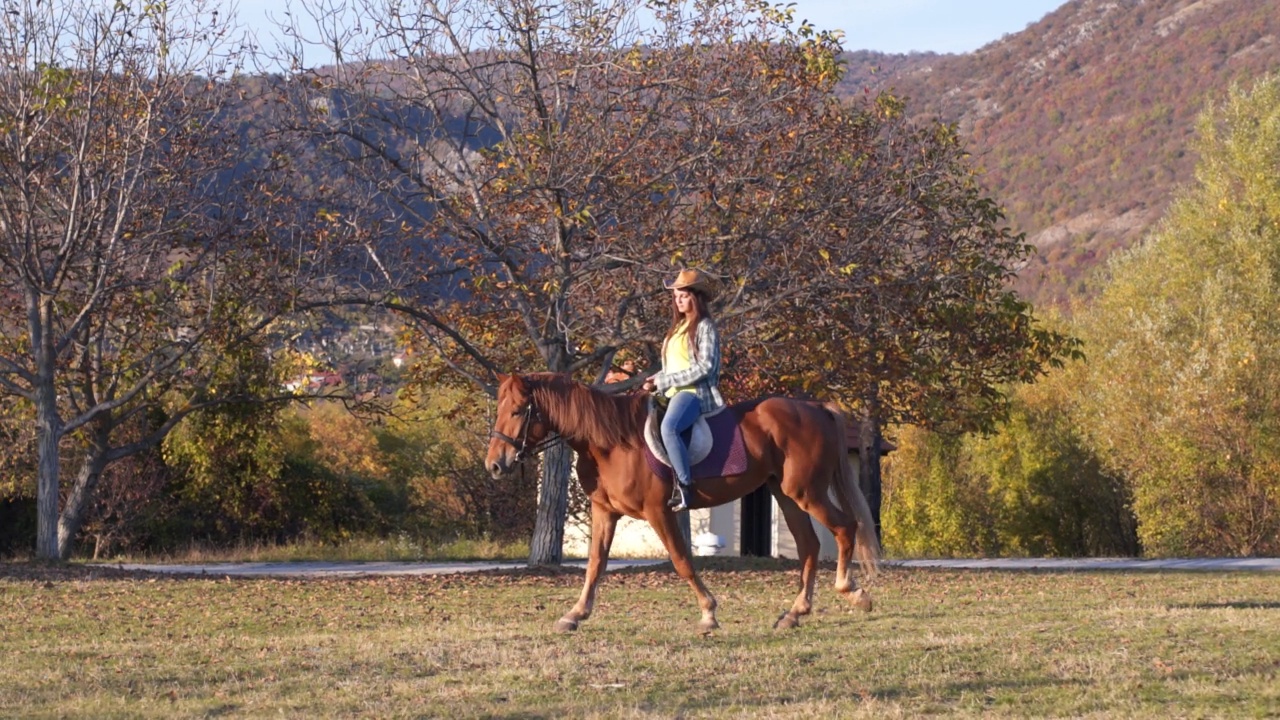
(354, 569)
(1175, 564)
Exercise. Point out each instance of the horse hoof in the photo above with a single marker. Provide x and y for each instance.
(566, 625)
(707, 625)
(862, 600)
(787, 621)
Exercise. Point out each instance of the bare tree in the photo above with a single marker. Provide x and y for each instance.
(910, 316)
(527, 172)
(524, 173)
(138, 239)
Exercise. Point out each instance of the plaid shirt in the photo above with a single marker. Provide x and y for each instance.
(704, 372)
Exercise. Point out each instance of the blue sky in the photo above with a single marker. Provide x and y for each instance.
(900, 26)
(894, 26)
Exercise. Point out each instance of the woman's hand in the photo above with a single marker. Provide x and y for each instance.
(649, 384)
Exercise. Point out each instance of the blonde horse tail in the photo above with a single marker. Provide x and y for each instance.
(866, 547)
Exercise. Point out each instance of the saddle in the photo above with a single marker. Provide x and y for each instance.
(716, 447)
(697, 437)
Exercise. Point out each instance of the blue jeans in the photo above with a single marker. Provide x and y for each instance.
(683, 411)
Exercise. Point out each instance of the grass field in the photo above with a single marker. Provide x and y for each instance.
(90, 642)
(392, 549)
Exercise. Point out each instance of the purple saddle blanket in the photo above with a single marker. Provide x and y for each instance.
(728, 454)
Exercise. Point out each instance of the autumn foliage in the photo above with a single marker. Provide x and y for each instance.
(1164, 440)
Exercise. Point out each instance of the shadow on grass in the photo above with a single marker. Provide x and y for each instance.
(57, 572)
(961, 696)
(1238, 605)
(702, 565)
(54, 572)
(964, 696)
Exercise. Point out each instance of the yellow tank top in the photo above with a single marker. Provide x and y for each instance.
(677, 357)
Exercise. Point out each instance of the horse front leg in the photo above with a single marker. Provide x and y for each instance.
(665, 524)
(603, 525)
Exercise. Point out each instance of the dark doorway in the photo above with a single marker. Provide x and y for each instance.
(757, 523)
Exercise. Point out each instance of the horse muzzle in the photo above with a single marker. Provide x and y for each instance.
(500, 467)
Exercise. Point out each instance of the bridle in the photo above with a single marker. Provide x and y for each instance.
(523, 451)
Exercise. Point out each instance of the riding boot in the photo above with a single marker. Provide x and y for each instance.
(681, 497)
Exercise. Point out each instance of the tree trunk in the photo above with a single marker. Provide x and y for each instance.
(95, 460)
(49, 433)
(869, 465)
(547, 545)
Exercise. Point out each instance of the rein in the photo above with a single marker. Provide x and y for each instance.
(523, 450)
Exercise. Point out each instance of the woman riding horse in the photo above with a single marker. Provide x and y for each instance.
(690, 376)
(797, 448)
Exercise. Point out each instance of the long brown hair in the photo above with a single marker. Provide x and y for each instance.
(700, 312)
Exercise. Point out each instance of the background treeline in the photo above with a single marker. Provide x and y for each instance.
(1166, 440)
(149, 341)
(589, 150)
(254, 474)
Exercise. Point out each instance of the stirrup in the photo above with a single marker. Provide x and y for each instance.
(681, 497)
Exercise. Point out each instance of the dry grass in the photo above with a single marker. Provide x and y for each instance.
(392, 549)
(93, 643)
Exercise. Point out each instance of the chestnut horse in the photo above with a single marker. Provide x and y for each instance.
(797, 447)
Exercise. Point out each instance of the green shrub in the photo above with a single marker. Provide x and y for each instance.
(1032, 487)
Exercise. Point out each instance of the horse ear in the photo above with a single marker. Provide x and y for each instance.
(517, 381)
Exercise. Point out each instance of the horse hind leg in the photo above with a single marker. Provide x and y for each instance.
(845, 584)
(807, 547)
(844, 528)
(846, 506)
(603, 525)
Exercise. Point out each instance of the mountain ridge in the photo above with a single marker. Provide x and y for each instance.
(1083, 121)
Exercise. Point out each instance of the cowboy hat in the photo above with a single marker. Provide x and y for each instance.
(691, 280)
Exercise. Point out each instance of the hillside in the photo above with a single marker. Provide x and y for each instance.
(1082, 121)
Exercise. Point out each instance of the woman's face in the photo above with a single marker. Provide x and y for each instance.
(684, 301)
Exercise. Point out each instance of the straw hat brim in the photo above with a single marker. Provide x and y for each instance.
(691, 280)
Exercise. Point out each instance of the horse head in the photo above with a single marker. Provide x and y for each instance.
(519, 428)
